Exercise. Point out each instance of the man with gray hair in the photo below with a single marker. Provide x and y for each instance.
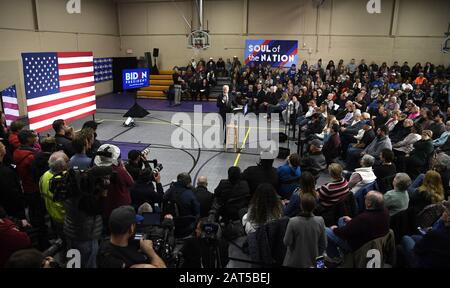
(58, 163)
(351, 234)
(225, 103)
(204, 197)
(363, 175)
(397, 199)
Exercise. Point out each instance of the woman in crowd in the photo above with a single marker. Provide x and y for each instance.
(265, 207)
(305, 237)
(307, 186)
(430, 192)
(405, 146)
(336, 190)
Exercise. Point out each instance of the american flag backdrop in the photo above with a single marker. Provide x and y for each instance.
(58, 85)
(10, 106)
(103, 69)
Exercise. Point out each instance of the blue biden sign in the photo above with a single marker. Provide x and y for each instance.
(135, 78)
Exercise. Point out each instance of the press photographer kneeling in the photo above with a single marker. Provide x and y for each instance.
(143, 190)
(122, 250)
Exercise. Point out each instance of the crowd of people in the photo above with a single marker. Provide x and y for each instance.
(380, 134)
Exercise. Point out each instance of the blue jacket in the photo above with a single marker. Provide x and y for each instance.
(288, 177)
(187, 202)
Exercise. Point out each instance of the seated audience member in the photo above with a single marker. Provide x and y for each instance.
(305, 236)
(387, 167)
(336, 190)
(405, 146)
(204, 197)
(11, 197)
(315, 161)
(438, 127)
(231, 195)
(13, 139)
(397, 199)
(307, 186)
(11, 238)
(181, 193)
(381, 142)
(289, 173)
(121, 250)
(315, 126)
(439, 141)
(96, 143)
(332, 146)
(81, 143)
(264, 172)
(432, 250)
(40, 163)
(363, 175)
(430, 192)
(364, 137)
(30, 259)
(264, 207)
(391, 122)
(351, 234)
(63, 136)
(118, 192)
(57, 167)
(197, 250)
(143, 190)
(417, 160)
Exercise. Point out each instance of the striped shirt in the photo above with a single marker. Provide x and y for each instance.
(333, 192)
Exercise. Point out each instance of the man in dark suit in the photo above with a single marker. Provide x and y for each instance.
(258, 98)
(225, 103)
(204, 197)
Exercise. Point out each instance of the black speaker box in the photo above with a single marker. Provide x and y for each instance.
(155, 52)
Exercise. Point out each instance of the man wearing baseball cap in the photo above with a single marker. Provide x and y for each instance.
(124, 249)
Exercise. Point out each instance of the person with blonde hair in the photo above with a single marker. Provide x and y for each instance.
(336, 190)
(430, 192)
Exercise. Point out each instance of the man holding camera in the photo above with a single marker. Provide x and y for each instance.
(124, 249)
(144, 190)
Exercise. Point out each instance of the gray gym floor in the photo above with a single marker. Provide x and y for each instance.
(156, 129)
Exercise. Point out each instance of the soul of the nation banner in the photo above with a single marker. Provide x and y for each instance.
(274, 52)
(58, 85)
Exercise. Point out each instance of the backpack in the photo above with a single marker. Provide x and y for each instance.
(171, 205)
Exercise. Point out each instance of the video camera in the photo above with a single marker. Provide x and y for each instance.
(163, 240)
(157, 167)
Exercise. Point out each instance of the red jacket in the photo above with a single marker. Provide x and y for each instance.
(14, 141)
(23, 157)
(118, 192)
(11, 240)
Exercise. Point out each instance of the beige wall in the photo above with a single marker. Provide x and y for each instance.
(343, 29)
(96, 29)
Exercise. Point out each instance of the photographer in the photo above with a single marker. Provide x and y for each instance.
(205, 249)
(137, 162)
(118, 192)
(83, 227)
(120, 251)
(144, 190)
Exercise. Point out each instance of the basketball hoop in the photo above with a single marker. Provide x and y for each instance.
(199, 40)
